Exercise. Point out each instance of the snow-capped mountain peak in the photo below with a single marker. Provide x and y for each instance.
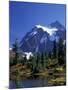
(47, 29)
(40, 38)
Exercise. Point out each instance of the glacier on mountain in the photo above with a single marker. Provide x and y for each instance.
(50, 30)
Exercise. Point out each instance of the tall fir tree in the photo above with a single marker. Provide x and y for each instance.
(46, 58)
(15, 50)
(54, 49)
(60, 52)
(42, 60)
(24, 61)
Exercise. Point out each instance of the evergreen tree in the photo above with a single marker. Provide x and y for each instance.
(36, 64)
(30, 62)
(24, 61)
(15, 50)
(49, 55)
(60, 52)
(37, 60)
(54, 48)
(42, 60)
(64, 53)
(46, 59)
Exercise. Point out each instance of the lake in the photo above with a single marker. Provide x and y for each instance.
(28, 83)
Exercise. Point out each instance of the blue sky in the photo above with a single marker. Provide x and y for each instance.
(23, 16)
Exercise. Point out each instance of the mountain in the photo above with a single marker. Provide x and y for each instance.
(40, 38)
(61, 32)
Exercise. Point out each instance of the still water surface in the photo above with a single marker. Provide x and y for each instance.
(28, 83)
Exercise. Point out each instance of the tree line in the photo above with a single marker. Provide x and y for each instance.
(41, 60)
